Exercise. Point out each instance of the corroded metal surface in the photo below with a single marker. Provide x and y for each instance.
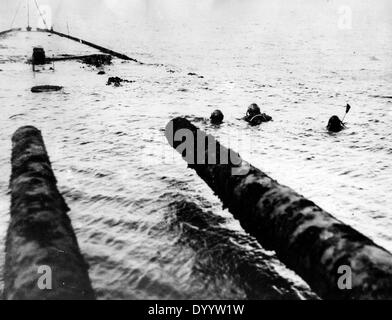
(40, 233)
(305, 237)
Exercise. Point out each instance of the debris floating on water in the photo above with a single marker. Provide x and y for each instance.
(116, 81)
(46, 88)
(97, 60)
(195, 75)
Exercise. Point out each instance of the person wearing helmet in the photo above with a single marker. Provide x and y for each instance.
(335, 124)
(216, 117)
(254, 116)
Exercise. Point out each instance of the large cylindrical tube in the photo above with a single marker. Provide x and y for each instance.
(337, 261)
(43, 260)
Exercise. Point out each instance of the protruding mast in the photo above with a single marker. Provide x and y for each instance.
(28, 17)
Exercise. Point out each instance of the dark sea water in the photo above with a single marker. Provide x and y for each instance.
(147, 225)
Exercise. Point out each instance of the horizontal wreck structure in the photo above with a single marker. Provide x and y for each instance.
(43, 259)
(336, 261)
(9, 31)
(90, 44)
(94, 59)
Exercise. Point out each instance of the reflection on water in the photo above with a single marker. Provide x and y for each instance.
(148, 226)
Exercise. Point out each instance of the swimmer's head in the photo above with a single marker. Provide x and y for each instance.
(253, 110)
(216, 117)
(334, 124)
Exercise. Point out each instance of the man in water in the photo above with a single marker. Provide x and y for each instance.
(335, 124)
(216, 117)
(254, 116)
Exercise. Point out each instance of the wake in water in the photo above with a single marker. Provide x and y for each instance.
(226, 254)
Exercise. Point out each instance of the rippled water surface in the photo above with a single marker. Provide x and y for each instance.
(147, 225)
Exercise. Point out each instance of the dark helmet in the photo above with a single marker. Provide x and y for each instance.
(253, 110)
(335, 124)
(216, 117)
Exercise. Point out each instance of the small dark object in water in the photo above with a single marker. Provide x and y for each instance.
(216, 117)
(116, 81)
(97, 60)
(335, 124)
(195, 75)
(39, 56)
(254, 116)
(101, 72)
(45, 88)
